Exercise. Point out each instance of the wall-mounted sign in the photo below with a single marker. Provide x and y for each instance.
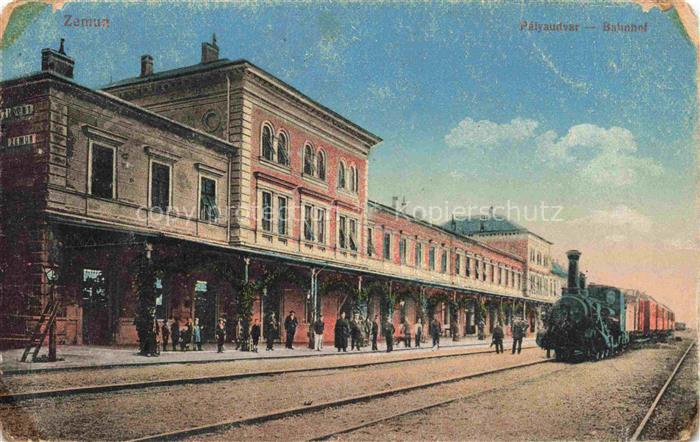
(23, 110)
(21, 140)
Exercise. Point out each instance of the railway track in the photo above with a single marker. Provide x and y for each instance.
(16, 397)
(660, 394)
(223, 425)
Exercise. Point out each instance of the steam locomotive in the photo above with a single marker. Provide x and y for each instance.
(597, 321)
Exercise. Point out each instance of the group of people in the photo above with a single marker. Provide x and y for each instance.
(358, 332)
(519, 331)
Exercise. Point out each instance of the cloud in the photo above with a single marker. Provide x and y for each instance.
(620, 219)
(603, 156)
(487, 134)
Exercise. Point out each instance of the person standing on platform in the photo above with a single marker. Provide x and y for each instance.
(254, 335)
(156, 338)
(375, 332)
(342, 331)
(271, 332)
(435, 331)
(290, 326)
(389, 334)
(197, 335)
(518, 333)
(497, 338)
(418, 331)
(406, 333)
(165, 332)
(318, 333)
(175, 333)
(480, 326)
(220, 336)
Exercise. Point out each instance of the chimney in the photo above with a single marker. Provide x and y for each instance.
(582, 281)
(573, 282)
(403, 204)
(57, 61)
(146, 65)
(210, 51)
(394, 201)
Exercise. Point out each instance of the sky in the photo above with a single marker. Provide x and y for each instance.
(474, 111)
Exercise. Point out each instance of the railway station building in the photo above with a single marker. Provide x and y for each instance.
(242, 192)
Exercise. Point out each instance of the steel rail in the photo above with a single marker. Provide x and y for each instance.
(210, 428)
(105, 388)
(654, 404)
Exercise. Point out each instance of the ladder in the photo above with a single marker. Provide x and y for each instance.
(47, 318)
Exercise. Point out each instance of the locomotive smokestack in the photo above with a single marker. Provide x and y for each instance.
(573, 281)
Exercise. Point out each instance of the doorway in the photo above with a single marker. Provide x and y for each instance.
(97, 324)
(205, 309)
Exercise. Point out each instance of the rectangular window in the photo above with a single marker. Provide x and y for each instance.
(467, 264)
(321, 225)
(483, 271)
(352, 236)
(492, 269)
(443, 262)
(431, 259)
(102, 171)
(477, 268)
(281, 215)
(402, 251)
(160, 186)
(458, 264)
(419, 255)
(207, 200)
(370, 243)
(342, 232)
(266, 211)
(308, 223)
(387, 246)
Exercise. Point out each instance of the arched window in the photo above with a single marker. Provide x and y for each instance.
(321, 165)
(282, 153)
(308, 160)
(354, 182)
(267, 150)
(341, 175)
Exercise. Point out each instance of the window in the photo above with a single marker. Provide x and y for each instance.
(402, 250)
(160, 186)
(431, 259)
(387, 246)
(267, 150)
(308, 160)
(102, 171)
(458, 263)
(492, 270)
(443, 262)
(467, 264)
(266, 211)
(321, 225)
(207, 200)
(342, 225)
(282, 152)
(308, 223)
(352, 237)
(419, 255)
(483, 271)
(282, 215)
(341, 175)
(370, 243)
(321, 165)
(477, 268)
(353, 179)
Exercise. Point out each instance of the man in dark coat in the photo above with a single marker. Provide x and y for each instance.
(435, 331)
(220, 335)
(271, 331)
(175, 333)
(389, 334)
(375, 332)
(290, 326)
(255, 334)
(497, 338)
(165, 332)
(342, 331)
(355, 334)
(518, 333)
